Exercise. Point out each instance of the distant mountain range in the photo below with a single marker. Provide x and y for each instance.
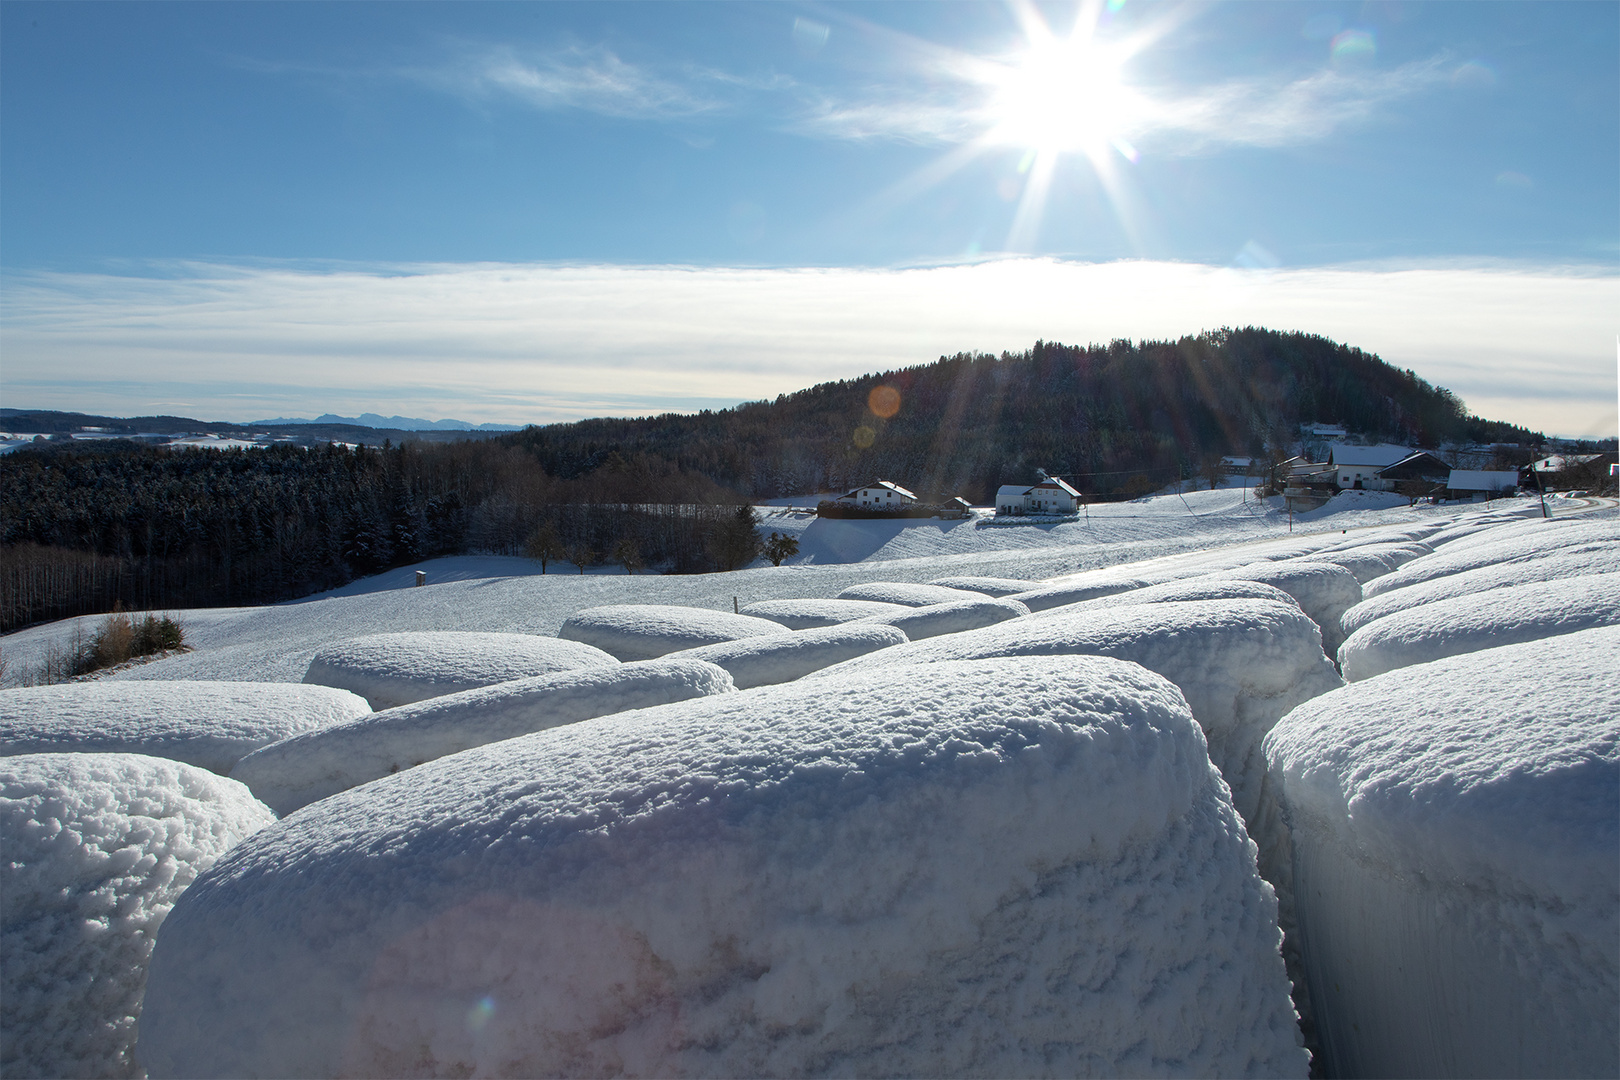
(392, 423)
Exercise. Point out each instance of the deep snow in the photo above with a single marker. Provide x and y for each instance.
(1456, 839)
(397, 669)
(1239, 649)
(207, 724)
(296, 771)
(1474, 621)
(1017, 868)
(97, 849)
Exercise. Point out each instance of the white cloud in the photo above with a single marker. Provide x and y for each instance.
(592, 79)
(538, 343)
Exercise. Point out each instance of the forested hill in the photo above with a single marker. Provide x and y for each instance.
(1107, 415)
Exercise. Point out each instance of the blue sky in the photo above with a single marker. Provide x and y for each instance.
(524, 213)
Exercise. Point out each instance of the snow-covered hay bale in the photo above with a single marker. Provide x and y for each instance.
(97, 848)
(207, 724)
(1201, 588)
(1372, 560)
(1476, 621)
(1017, 868)
(906, 593)
(1242, 665)
(1324, 591)
(296, 772)
(1483, 579)
(989, 586)
(1521, 542)
(397, 669)
(812, 614)
(951, 618)
(1456, 854)
(780, 658)
(1051, 596)
(647, 631)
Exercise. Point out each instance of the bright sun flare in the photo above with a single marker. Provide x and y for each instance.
(1062, 96)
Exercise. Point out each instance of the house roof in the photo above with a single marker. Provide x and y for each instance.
(1054, 484)
(1380, 456)
(890, 485)
(1420, 462)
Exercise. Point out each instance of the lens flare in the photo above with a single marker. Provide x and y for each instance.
(884, 401)
(863, 438)
(1352, 45)
(479, 1014)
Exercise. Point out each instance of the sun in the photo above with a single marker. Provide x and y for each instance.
(1061, 96)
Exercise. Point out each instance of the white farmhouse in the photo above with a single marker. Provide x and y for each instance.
(1466, 483)
(881, 495)
(1050, 496)
(1357, 467)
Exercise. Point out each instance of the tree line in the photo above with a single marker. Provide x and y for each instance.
(87, 526)
(1119, 418)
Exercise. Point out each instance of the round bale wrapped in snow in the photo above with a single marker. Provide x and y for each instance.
(1018, 868)
(296, 772)
(397, 669)
(906, 593)
(648, 631)
(1456, 862)
(1470, 622)
(207, 724)
(97, 848)
(814, 614)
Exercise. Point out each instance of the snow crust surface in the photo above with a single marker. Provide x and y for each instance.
(1456, 847)
(812, 614)
(97, 848)
(648, 631)
(397, 669)
(207, 724)
(906, 593)
(1022, 868)
(780, 658)
(1474, 621)
(950, 618)
(296, 772)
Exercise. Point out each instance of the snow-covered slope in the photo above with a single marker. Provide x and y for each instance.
(1456, 852)
(1020, 868)
(397, 669)
(97, 848)
(207, 724)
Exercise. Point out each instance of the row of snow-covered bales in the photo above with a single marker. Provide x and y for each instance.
(1204, 815)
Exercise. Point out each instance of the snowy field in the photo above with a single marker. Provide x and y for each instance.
(1186, 788)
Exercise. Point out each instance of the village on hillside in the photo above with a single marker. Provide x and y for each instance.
(1306, 480)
